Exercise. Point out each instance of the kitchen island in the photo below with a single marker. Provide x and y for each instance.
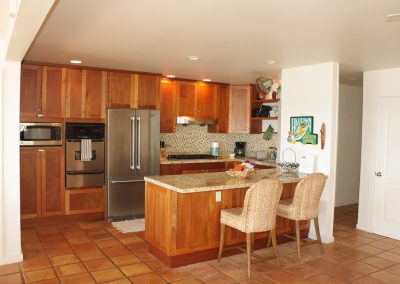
(183, 212)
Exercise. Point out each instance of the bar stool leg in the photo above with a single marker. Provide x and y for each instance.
(248, 246)
(297, 222)
(221, 242)
(318, 234)
(252, 242)
(275, 247)
(269, 239)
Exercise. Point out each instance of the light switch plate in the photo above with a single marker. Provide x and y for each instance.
(218, 196)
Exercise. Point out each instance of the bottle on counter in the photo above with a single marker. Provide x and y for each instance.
(214, 150)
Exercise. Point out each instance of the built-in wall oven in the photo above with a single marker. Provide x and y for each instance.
(40, 134)
(84, 155)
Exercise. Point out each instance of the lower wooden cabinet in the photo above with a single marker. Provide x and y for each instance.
(193, 168)
(42, 181)
(84, 200)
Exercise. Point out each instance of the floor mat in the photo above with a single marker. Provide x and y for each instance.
(129, 226)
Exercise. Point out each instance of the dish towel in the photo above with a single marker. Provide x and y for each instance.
(86, 150)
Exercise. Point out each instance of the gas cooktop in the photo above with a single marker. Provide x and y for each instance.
(190, 156)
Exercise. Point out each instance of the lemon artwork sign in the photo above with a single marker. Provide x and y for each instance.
(301, 130)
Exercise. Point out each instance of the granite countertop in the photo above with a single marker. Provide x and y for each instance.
(218, 181)
(220, 159)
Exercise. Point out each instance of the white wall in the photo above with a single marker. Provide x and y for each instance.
(313, 91)
(349, 145)
(23, 25)
(378, 83)
(10, 215)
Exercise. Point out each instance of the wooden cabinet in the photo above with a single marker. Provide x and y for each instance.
(42, 91)
(42, 181)
(31, 90)
(84, 200)
(86, 92)
(239, 109)
(222, 110)
(170, 169)
(167, 106)
(121, 89)
(186, 99)
(30, 182)
(148, 91)
(206, 100)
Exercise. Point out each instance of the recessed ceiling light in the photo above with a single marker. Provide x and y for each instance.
(393, 17)
(270, 61)
(75, 61)
(170, 76)
(193, 58)
(206, 80)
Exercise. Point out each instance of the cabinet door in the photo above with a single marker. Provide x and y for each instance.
(31, 90)
(167, 106)
(186, 99)
(239, 109)
(222, 110)
(74, 104)
(205, 100)
(121, 89)
(148, 91)
(30, 178)
(53, 92)
(95, 90)
(52, 181)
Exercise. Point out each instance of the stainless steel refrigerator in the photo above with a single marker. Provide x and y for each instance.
(133, 152)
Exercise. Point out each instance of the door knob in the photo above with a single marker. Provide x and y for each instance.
(378, 174)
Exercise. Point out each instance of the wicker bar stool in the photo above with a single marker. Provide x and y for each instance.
(257, 215)
(304, 206)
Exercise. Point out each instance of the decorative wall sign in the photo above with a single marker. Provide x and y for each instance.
(310, 139)
(323, 133)
(300, 126)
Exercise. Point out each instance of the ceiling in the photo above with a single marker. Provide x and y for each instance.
(234, 38)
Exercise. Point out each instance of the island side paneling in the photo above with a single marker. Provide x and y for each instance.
(183, 228)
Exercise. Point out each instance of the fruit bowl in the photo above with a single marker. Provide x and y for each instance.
(239, 174)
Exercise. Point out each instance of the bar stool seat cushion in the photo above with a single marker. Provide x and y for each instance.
(286, 209)
(233, 218)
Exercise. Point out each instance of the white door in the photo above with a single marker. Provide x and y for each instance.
(387, 172)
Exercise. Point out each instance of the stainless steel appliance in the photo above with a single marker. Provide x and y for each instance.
(133, 151)
(84, 172)
(240, 149)
(40, 134)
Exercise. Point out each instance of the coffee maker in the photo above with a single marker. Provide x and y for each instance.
(239, 149)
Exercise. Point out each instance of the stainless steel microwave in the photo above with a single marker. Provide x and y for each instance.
(41, 134)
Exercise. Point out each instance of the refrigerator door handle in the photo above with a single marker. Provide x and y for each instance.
(132, 146)
(138, 143)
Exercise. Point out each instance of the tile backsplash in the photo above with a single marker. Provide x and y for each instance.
(195, 138)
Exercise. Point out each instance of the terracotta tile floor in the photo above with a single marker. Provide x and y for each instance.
(94, 252)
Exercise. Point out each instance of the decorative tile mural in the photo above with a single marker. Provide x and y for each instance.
(195, 138)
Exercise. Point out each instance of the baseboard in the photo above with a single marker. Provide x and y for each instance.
(324, 238)
(363, 228)
(11, 259)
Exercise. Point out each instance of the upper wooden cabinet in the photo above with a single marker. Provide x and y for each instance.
(42, 91)
(86, 92)
(42, 181)
(148, 91)
(186, 99)
(222, 110)
(239, 109)
(121, 89)
(206, 100)
(31, 90)
(167, 106)
(129, 90)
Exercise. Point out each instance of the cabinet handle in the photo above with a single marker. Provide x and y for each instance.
(41, 150)
(40, 115)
